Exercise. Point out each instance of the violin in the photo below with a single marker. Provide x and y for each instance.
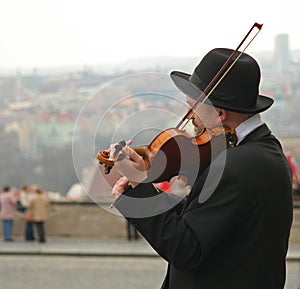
(174, 151)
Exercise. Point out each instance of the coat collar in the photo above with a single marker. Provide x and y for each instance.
(247, 127)
(259, 132)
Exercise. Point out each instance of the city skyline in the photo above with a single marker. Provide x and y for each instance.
(64, 33)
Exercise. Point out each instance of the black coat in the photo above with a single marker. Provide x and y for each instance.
(238, 237)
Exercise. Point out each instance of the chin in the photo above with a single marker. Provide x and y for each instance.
(197, 130)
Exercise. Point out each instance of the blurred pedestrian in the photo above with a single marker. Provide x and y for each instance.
(8, 207)
(38, 208)
(296, 188)
(132, 232)
(26, 195)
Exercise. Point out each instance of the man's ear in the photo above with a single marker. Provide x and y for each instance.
(222, 114)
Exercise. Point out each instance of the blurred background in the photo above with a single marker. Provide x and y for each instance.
(72, 71)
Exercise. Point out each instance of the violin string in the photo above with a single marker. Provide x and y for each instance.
(198, 104)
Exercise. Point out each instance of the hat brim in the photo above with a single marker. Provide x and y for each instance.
(183, 83)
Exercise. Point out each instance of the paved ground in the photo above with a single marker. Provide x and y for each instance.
(78, 247)
(91, 263)
(64, 263)
(71, 272)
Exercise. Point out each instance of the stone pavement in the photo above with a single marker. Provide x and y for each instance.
(59, 246)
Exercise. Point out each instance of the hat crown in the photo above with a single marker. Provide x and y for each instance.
(237, 91)
(240, 83)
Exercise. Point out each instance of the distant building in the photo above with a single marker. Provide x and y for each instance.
(54, 130)
(42, 131)
(282, 54)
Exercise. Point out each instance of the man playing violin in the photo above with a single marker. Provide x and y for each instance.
(233, 232)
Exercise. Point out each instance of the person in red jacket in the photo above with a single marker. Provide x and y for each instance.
(295, 180)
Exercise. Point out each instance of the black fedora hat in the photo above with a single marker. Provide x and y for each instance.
(239, 89)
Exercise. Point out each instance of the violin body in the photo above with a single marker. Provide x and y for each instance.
(173, 153)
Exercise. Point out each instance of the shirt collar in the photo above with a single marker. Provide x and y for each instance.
(247, 126)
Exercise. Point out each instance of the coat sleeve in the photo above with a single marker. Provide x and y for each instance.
(159, 222)
(184, 240)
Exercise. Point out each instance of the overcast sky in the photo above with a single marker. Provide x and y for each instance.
(49, 33)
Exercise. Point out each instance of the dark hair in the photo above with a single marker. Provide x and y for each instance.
(25, 187)
(38, 190)
(6, 188)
